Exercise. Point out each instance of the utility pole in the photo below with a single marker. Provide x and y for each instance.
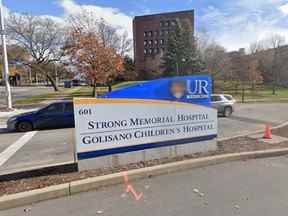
(56, 75)
(5, 59)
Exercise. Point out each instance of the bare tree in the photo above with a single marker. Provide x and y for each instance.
(255, 47)
(112, 37)
(214, 57)
(275, 43)
(255, 74)
(41, 37)
(212, 54)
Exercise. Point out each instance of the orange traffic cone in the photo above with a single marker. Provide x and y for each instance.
(268, 132)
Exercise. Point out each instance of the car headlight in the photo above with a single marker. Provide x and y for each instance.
(12, 119)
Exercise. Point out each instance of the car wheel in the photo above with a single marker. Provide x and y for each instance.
(227, 111)
(24, 126)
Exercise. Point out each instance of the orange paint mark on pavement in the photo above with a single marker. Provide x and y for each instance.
(126, 180)
(129, 187)
(136, 195)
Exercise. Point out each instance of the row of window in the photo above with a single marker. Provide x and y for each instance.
(168, 23)
(156, 33)
(156, 42)
(153, 51)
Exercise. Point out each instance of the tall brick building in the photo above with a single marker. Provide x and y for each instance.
(151, 33)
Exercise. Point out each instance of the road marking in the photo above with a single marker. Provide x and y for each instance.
(12, 149)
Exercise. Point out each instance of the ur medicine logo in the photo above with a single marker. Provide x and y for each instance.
(190, 89)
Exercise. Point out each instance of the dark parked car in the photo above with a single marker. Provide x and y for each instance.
(55, 115)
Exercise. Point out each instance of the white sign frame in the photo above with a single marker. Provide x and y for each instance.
(113, 126)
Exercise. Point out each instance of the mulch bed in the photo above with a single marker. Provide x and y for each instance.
(281, 131)
(243, 144)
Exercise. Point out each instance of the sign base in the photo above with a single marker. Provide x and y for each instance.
(118, 160)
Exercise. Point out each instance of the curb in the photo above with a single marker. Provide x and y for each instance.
(51, 169)
(283, 124)
(37, 195)
(68, 189)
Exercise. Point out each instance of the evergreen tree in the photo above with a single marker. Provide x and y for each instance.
(181, 56)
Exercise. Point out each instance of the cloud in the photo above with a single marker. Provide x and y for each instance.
(111, 15)
(257, 4)
(284, 9)
(245, 21)
(234, 24)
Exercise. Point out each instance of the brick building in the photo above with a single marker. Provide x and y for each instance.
(151, 33)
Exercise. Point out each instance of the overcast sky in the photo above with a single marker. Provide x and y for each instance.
(233, 23)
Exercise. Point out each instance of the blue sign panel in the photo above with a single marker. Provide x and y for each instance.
(187, 89)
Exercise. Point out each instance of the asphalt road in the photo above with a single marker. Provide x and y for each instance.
(22, 92)
(250, 188)
(56, 146)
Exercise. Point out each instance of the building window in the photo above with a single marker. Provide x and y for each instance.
(156, 33)
(173, 23)
(156, 50)
(145, 34)
(162, 41)
(161, 23)
(145, 42)
(167, 23)
(150, 42)
(166, 32)
(155, 42)
(145, 51)
(150, 51)
(162, 33)
(150, 34)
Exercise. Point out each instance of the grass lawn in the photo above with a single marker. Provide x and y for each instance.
(61, 94)
(263, 94)
(125, 84)
(70, 93)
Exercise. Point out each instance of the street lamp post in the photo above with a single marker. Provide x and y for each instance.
(177, 68)
(5, 59)
(183, 60)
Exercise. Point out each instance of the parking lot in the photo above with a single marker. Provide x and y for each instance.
(48, 147)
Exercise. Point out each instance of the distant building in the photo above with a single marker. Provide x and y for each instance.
(151, 33)
(240, 52)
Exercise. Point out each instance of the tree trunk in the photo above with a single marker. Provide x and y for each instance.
(243, 94)
(213, 84)
(236, 88)
(274, 89)
(49, 78)
(109, 87)
(253, 86)
(94, 93)
(52, 83)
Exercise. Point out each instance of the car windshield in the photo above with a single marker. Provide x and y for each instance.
(228, 97)
(216, 98)
(53, 108)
